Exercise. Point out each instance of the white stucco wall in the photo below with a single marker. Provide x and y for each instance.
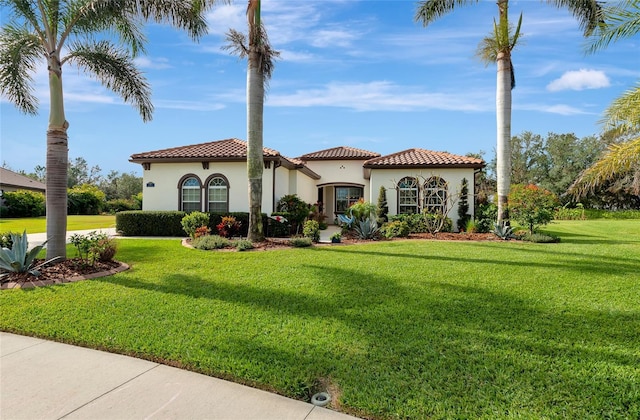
(390, 177)
(165, 194)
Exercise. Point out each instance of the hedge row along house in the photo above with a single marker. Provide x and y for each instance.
(212, 177)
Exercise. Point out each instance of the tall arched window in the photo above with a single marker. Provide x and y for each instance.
(218, 194)
(407, 195)
(435, 195)
(190, 194)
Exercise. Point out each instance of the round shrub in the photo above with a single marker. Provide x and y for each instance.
(301, 242)
(210, 242)
(395, 229)
(24, 203)
(311, 230)
(243, 244)
(193, 221)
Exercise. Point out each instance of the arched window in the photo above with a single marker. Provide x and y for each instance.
(435, 195)
(190, 194)
(218, 194)
(407, 196)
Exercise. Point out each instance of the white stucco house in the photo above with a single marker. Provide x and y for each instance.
(213, 177)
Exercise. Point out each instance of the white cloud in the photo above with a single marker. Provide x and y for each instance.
(155, 63)
(381, 96)
(580, 80)
(188, 105)
(560, 109)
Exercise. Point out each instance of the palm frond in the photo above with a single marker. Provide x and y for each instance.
(19, 54)
(429, 11)
(589, 13)
(619, 159)
(188, 15)
(621, 21)
(236, 43)
(115, 69)
(24, 9)
(623, 114)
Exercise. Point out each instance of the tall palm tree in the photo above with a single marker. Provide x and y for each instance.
(261, 62)
(101, 37)
(623, 115)
(499, 47)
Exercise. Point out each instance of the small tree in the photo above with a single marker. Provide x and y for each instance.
(531, 205)
(463, 206)
(382, 211)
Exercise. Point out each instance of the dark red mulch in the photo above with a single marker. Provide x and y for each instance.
(58, 272)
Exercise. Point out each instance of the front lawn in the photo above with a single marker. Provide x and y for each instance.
(400, 329)
(39, 224)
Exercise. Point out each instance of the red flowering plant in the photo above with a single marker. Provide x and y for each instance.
(228, 227)
(201, 231)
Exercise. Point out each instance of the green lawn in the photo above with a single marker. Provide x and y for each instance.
(39, 224)
(398, 329)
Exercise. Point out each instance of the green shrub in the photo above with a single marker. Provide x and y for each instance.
(85, 199)
(24, 203)
(362, 210)
(538, 238)
(277, 225)
(301, 242)
(395, 229)
(463, 206)
(294, 210)
(382, 209)
(311, 230)
(565, 213)
(5, 239)
(243, 244)
(471, 226)
(612, 214)
(486, 216)
(531, 205)
(366, 229)
(120, 204)
(210, 242)
(193, 221)
(150, 223)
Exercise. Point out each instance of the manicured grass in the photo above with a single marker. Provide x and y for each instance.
(398, 329)
(39, 224)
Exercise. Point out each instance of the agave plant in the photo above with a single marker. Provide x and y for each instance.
(366, 229)
(503, 231)
(18, 258)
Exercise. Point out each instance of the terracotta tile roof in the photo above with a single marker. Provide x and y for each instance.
(232, 149)
(423, 158)
(15, 180)
(340, 153)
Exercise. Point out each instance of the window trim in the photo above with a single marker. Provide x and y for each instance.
(206, 191)
(415, 188)
(180, 189)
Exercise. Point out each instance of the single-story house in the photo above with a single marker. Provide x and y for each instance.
(11, 181)
(213, 177)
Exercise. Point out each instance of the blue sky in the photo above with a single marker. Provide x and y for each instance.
(352, 73)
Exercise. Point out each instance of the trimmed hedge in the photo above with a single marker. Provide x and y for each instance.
(24, 203)
(150, 223)
(168, 223)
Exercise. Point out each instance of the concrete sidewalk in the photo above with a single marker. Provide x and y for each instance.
(41, 379)
(36, 239)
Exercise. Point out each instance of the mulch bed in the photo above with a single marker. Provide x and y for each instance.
(67, 271)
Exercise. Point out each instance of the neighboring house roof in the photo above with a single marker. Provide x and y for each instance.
(421, 158)
(223, 150)
(340, 153)
(11, 179)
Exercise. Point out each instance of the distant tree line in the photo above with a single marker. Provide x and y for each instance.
(555, 162)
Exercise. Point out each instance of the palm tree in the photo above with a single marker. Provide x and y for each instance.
(623, 115)
(261, 58)
(69, 31)
(498, 47)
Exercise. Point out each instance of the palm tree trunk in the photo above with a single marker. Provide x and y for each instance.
(57, 159)
(503, 128)
(255, 104)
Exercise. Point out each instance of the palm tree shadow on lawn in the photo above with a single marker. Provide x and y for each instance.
(465, 348)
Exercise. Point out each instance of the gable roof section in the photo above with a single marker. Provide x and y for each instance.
(421, 158)
(222, 150)
(340, 153)
(11, 179)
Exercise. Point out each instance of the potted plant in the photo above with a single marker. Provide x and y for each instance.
(335, 238)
